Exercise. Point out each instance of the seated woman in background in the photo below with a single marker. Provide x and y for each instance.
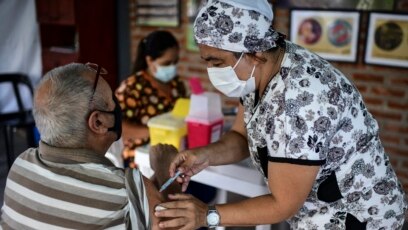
(152, 89)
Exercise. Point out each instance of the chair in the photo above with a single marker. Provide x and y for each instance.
(23, 118)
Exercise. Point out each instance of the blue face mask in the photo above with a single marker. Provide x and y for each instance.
(165, 73)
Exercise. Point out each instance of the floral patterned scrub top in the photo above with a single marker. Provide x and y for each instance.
(140, 100)
(310, 114)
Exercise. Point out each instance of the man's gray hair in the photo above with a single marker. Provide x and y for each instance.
(61, 113)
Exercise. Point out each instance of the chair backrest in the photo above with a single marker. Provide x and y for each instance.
(17, 79)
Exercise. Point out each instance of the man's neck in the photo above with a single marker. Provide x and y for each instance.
(98, 145)
(71, 155)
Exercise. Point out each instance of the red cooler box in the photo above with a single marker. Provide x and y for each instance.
(202, 133)
(204, 120)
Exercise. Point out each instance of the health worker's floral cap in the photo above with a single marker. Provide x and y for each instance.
(236, 25)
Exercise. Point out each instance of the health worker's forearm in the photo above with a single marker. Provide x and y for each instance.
(255, 211)
(231, 148)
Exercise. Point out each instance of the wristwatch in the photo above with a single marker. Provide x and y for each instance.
(213, 218)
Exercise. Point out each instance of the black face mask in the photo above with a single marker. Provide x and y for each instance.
(117, 112)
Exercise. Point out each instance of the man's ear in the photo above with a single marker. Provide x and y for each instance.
(97, 123)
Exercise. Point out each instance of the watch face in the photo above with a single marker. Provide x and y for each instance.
(213, 219)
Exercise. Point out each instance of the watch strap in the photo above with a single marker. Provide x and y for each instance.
(213, 209)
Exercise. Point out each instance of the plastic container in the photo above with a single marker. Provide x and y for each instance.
(205, 119)
(181, 108)
(202, 134)
(170, 128)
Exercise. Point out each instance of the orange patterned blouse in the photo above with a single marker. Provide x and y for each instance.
(141, 98)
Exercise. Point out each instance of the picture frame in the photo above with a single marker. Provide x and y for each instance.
(332, 34)
(364, 5)
(193, 6)
(386, 44)
(158, 13)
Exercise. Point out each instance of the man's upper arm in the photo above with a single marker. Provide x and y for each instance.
(154, 197)
(143, 197)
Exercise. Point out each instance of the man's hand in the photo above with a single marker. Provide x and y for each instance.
(160, 157)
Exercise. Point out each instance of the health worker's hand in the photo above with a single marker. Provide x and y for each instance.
(189, 163)
(184, 212)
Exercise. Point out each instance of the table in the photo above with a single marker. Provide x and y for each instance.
(237, 178)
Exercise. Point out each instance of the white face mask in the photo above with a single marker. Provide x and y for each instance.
(227, 82)
(165, 73)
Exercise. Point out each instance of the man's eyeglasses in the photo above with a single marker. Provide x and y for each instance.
(99, 71)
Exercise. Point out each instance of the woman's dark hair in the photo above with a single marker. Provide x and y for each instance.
(153, 45)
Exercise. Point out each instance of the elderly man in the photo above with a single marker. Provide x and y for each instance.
(67, 182)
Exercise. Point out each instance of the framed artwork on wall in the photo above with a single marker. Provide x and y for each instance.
(387, 40)
(383, 5)
(158, 13)
(331, 34)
